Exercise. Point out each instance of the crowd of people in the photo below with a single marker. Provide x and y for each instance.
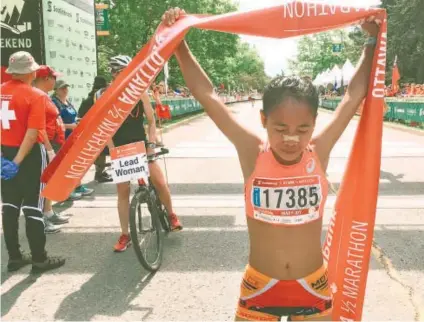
(406, 90)
(34, 126)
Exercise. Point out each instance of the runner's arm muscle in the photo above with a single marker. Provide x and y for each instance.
(246, 142)
(355, 94)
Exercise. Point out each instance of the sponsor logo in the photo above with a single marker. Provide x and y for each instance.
(321, 283)
(310, 166)
(13, 21)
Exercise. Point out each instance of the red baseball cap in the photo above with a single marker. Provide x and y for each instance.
(46, 71)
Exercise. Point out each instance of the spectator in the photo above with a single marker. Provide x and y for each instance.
(54, 137)
(100, 163)
(22, 163)
(69, 117)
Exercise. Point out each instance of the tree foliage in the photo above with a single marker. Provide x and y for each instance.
(315, 52)
(225, 59)
(406, 38)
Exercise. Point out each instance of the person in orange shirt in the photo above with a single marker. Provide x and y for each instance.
(54, 137)
(285, 184)
(23, 161)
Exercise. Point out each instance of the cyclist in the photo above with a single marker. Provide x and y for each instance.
(132, 130)
(285, 185)
(54, 135)
(23, 158)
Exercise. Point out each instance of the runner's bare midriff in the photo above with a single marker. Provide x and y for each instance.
(285, 253)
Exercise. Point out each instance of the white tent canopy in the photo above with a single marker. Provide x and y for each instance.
(336, 75)
(347, 72)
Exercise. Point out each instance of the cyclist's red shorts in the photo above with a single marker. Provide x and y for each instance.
(264, 298)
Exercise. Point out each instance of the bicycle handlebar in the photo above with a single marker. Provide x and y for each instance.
(152, 157)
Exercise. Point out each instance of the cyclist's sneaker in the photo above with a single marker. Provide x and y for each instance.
(49, 228)
(15, 264)
(83, 190)
(50, 263)
(123, 243)
(57, 219)
(103, 177)
(175, 222)
(75, 196)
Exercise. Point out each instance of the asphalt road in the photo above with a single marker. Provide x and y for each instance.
(202, 267)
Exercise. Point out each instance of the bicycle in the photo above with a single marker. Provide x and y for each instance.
(146, 198)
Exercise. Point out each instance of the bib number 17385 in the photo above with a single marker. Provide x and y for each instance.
(286, 194)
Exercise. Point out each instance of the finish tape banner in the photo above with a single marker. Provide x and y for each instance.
(354, 216)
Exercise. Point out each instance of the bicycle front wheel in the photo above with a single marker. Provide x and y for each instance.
(145, 230)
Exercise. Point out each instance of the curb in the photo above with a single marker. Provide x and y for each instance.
(395, 126)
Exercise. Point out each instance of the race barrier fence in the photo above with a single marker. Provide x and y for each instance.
(403, 111)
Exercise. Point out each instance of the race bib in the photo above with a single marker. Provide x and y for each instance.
(129, 162)
(289, 201)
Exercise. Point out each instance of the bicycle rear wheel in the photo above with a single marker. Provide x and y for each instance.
(145, 229)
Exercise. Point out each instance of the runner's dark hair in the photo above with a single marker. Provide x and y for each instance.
(283, 87)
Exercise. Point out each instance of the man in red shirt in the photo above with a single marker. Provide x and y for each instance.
(54, 137)
(23, 160)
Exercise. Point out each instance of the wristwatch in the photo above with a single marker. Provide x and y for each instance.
(371, 41)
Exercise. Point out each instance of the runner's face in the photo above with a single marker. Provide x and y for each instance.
(289, 126)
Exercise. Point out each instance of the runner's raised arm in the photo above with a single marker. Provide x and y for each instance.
(247, 143)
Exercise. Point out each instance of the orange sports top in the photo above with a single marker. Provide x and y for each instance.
(286, 195)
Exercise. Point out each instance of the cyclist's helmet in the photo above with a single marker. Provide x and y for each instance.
(118, 63)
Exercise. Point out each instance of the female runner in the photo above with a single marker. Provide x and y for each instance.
(285, 184)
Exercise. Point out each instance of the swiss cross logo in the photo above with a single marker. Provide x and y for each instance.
(6, 115)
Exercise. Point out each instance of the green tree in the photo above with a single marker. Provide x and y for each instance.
(222, 55)
(406, 39)
(315, 52)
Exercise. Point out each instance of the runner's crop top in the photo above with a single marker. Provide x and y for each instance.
(286, 195)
